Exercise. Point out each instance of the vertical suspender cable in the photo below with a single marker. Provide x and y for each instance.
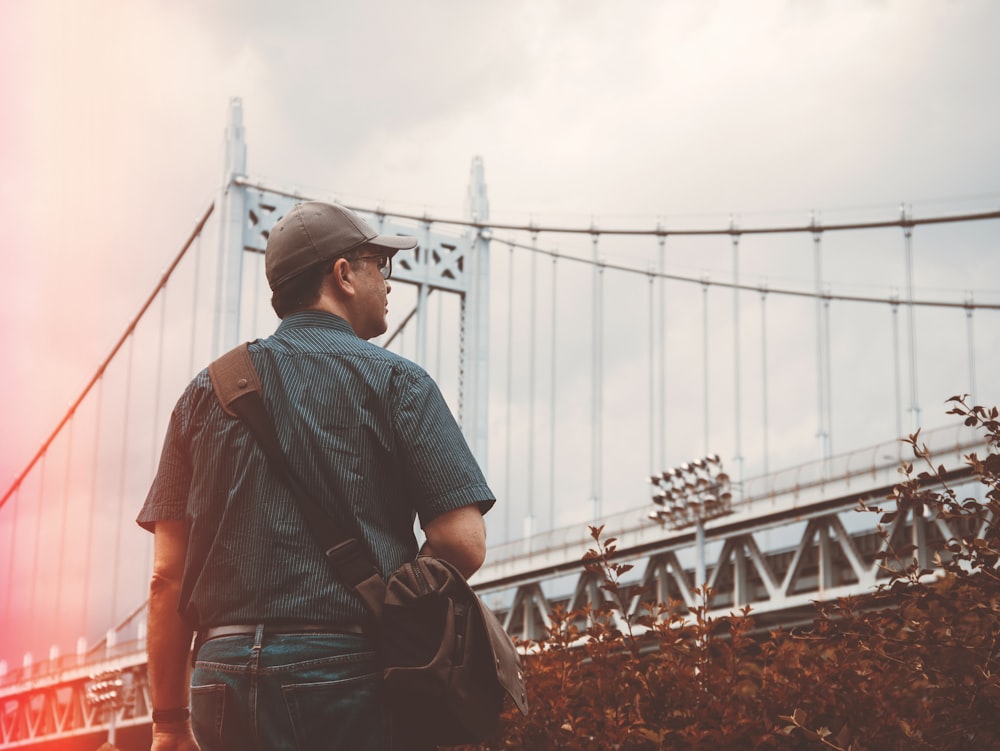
(821, 426)
(158, 385)
(157, 397)
(121, 478)
(255, 301)
(529, 520)
(652, 374)
(828, 380)
(597, 378)
(552, 401)
(463, 309)
(763, 376)
(194, 304)
(911, 320)
(423, 290)
(11, 558)
(897, 376)
(61, 545)
(89, 534)
(971, 335)
(439, 307)
(35, 590)
(704, 361)
(440, 336)
(662, 266)
(510, 371)
(737, 401)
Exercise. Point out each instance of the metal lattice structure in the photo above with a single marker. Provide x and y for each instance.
(60, 704)
(455, 263)
(790, 542)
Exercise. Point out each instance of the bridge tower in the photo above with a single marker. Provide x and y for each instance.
(455, 262)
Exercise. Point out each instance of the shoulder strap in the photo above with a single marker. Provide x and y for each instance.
(233, 375)
(238, 389)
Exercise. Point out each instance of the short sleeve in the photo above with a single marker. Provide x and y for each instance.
(168, 495)
(440, 472)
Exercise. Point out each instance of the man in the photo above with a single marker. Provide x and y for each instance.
(283, 660)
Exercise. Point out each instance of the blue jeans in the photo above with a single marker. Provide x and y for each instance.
(300, 692)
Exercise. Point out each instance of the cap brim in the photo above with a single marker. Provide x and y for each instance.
(393, 242)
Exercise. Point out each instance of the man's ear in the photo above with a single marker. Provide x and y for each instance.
(341, 276)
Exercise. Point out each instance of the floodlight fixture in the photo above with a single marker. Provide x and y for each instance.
(691, 493)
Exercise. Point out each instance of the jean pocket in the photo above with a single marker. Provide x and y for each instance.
(343, 713)
(208, 709)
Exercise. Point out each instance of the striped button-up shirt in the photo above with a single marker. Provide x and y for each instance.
(366, 431)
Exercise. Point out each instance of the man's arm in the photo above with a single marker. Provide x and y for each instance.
(458, 537)
(168, 643)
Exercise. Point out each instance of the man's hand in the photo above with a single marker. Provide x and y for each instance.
(173, 736)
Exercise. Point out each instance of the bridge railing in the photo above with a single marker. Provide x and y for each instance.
(58, 666)
(859, 470)
(877, 465)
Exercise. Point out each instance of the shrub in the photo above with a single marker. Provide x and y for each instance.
(914, 665)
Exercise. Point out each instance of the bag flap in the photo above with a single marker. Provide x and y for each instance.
(505, 656)
(427, 575)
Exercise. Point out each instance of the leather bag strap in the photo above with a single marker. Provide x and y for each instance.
(238, 389)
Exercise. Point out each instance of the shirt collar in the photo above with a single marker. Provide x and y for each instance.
(304, 319)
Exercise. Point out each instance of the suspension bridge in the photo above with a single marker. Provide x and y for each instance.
(718, 397)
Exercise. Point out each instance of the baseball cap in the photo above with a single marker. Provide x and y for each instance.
(314, 232)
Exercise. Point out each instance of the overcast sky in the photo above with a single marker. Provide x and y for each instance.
(112, 115)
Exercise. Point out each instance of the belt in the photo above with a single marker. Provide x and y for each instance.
(274, 629)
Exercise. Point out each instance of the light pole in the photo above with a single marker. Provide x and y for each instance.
(689, 495)
(106, 691)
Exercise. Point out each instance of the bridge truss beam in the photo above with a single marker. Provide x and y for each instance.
(777, 554)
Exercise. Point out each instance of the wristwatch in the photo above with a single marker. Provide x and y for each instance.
(175, 714)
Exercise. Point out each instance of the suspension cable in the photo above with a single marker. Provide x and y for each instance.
(658, 231)
(114, 351)
(905, 221)
(704, 281)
